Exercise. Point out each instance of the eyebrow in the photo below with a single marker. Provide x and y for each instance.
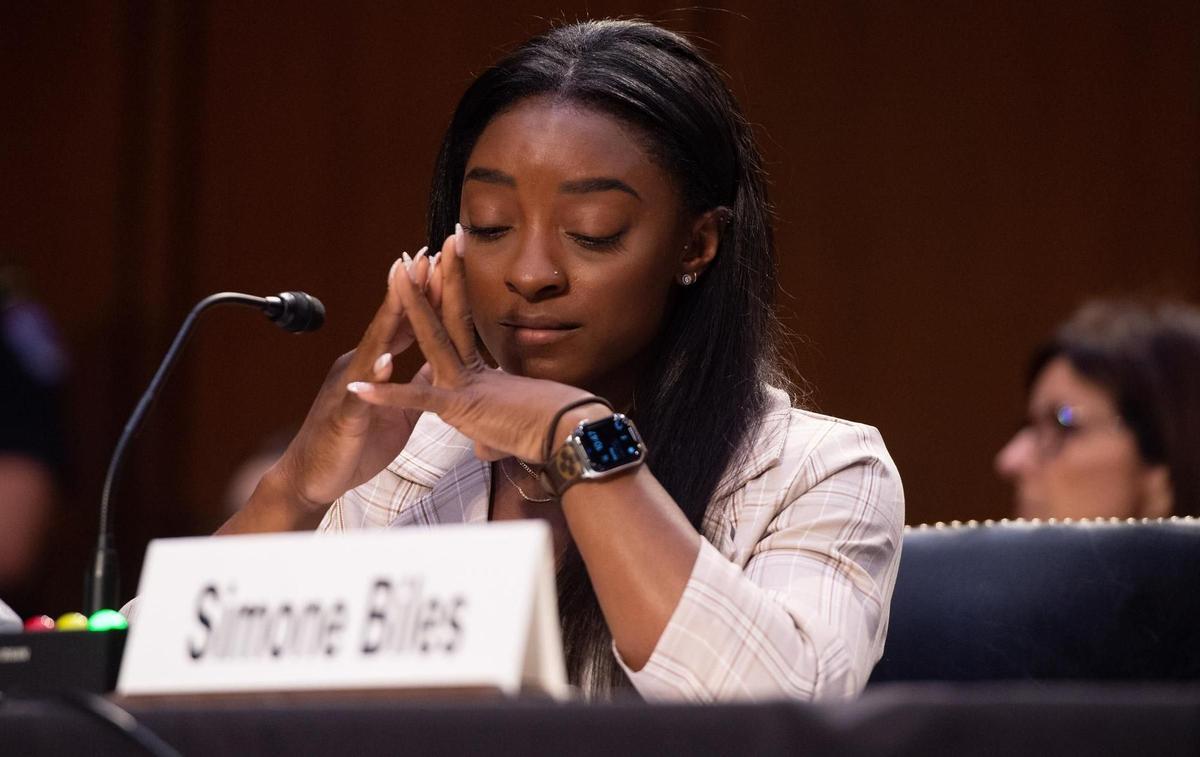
(581, 186)
(490, 176)
(600, 184)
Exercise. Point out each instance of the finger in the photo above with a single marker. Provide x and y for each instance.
(382, 369)
(424, 375)
(456, 312)
(353, 408)
(381, 333)
(418, 269)
(428, 329)
(433, 288)
(408, 396)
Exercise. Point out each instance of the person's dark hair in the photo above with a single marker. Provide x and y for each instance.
(699, 401)
(1147, 355)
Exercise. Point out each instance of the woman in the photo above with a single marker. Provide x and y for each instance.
(606, 236)
(1114, 417)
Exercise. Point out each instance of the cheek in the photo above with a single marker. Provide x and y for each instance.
(484, 284)
(487, 300)
(1097, 480)
(626, 307)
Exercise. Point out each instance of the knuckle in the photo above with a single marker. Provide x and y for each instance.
(344, 360)
(339, 368)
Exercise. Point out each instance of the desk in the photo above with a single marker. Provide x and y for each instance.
(891, 719)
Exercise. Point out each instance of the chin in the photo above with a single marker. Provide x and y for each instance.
(1030, 509)
(539, 367)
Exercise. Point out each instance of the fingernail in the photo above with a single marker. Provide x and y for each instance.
(432, 268)
(412, 266)
(458, 240)
(392, 270)
(358, 387)
(406, 258)
(383, 361)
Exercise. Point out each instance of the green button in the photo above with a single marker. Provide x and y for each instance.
(107, 620)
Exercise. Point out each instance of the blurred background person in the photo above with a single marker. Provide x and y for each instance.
(32, 366)
(250, 471)
(1113, 425)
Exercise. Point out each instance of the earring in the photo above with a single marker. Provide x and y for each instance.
(687, 279)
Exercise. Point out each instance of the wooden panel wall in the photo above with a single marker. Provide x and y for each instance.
(950, 180)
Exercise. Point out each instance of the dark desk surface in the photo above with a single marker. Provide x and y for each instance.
(892, 719)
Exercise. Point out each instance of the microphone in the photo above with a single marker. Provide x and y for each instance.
(296, 312)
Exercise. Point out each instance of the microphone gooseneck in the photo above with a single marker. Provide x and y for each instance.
(297, 312)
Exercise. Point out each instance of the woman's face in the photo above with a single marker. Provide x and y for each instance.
(574, 239)
(1075, 458)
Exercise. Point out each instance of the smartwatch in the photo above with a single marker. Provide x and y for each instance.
(594, 450)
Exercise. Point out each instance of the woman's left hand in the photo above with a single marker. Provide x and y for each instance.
(501, 413)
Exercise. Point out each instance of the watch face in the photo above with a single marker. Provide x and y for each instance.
(611, 443)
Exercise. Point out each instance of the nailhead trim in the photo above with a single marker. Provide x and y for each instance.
(988, 523)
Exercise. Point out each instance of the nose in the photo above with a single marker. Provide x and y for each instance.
(534, 272)
(1017, 457)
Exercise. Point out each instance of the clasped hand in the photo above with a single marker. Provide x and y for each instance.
(360, 422)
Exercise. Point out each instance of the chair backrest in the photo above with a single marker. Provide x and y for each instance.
(1096, 599)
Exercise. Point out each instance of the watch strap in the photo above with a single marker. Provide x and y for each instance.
(571, 462)
(565, 467)
(548, 444)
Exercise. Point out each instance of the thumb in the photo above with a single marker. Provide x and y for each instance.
(381, 370)
(415, 396)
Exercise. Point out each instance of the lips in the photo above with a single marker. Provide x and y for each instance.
(538, 330)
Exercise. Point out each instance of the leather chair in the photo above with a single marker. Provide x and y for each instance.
(1085, 600)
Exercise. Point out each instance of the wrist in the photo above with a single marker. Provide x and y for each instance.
(553, 439)
(572, 418)
(279, 487)
(596, 443)
(273, 507)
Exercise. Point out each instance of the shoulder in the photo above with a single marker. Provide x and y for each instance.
(840, 465)
(811, 463)
(793, 443)
(821, 444)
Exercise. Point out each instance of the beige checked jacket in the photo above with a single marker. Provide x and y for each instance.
(789, 595)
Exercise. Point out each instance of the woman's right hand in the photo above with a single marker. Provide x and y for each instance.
(344, 441)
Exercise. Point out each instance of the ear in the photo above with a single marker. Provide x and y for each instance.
(704, 238)
(1158, 500)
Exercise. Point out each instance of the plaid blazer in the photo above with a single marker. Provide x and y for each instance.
(790, 592)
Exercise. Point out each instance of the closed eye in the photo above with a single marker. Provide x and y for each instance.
(486, 233)
(610, 242)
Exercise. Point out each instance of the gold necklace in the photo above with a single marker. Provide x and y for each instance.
(517, 486)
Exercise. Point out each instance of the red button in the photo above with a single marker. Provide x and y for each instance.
(40, 623)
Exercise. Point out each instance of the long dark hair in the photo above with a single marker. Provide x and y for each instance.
(699, 400)
(1147, 355)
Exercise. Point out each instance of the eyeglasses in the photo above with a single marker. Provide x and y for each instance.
(1051, 429)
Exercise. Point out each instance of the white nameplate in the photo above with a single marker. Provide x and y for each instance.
(429, 608)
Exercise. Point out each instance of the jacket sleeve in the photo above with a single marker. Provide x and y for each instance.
(806, 615)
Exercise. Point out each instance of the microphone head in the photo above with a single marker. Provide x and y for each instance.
(296, 312)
